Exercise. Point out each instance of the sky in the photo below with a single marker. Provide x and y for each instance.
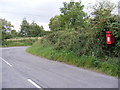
(39, 11)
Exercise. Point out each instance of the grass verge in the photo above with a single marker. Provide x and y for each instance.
(88, 62)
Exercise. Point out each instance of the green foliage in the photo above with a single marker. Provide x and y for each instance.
(30, 30)
(104, 21)
(0, 38)
(56, 23)
(79, 43)
(14, 34)
(24, 32)
(5, 30)
(72, 17)
(5, 25)
(35, 30)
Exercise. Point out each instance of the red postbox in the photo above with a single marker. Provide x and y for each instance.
(108, 38)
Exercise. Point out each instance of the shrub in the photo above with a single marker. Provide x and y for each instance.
(78, 43)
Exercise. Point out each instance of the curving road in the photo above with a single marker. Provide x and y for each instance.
(23, 70)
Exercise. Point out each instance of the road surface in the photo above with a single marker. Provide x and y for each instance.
(23, 70)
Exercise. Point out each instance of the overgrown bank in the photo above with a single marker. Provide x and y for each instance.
(76, 49)
(80, 40)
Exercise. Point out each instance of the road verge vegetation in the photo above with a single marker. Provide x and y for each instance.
(20, 41)
(76, 49)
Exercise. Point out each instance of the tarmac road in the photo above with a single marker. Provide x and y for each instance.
(23, 70)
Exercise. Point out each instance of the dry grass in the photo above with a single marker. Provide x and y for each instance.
(25, 38)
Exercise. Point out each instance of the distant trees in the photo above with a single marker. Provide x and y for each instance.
(24, 28)
(35, 30)
(14, 33)
(30, 30)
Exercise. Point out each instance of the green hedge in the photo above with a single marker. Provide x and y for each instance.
(80, 44)
(80, 49)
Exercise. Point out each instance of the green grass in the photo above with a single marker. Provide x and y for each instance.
(88, 62)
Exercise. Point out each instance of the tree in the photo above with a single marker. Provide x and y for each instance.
(102, 15)
(56, 23)
(73, 15)
(24, 31)
(35, 30)
(5, 30)
(30, 30)
(14, 33)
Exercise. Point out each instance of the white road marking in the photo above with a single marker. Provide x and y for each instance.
(6, 62)
(32, 82)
